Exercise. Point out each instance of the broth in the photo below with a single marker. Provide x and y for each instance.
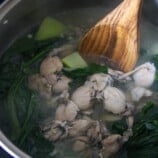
(36, 109)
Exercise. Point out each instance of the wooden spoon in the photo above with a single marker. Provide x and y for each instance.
(114, 40)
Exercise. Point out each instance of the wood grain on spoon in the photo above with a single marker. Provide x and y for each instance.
(114, 40)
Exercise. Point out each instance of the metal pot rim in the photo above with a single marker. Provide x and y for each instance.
(5, 143)
(10, 148)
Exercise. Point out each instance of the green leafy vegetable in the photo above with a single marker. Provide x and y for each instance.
(27, 48)
(11, 107)
(144, 142)
(155, 60)
(36, 145)
(147, 108)
(18, 101)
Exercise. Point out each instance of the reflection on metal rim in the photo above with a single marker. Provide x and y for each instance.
(11, 153)
(6, 6)
(10, 148)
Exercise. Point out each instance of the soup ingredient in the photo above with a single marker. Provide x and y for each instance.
(50, 81)
(61, 84)
(55, 130)
(50, 65)
(80, 145)
(114, 100)
(144, 133)
(74, 61)
(50, 28)
(39, 83)
(138, 92)
(111, 145)
(145, 76)
(79, 127)
(87, 135)
(20, 103)
(92, 89)
(59, 114)
(82, 97)
(155, 60)
(80, 75)
(71, 111)
(75, 105)
(99, 81)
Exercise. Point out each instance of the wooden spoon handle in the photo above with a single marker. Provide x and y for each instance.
(126, 14)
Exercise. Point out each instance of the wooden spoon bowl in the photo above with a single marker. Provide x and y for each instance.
(115, 39)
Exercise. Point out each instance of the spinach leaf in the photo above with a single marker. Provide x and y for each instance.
(144, 142)
(21, 60)
(149, 106)
(36, 145)
(155, 60)
(28, 47)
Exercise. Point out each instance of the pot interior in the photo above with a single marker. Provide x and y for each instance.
(23, 21)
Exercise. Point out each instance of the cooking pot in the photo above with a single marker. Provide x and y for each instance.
(18, 16)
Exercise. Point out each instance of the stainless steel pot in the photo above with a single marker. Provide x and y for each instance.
(16, 16)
